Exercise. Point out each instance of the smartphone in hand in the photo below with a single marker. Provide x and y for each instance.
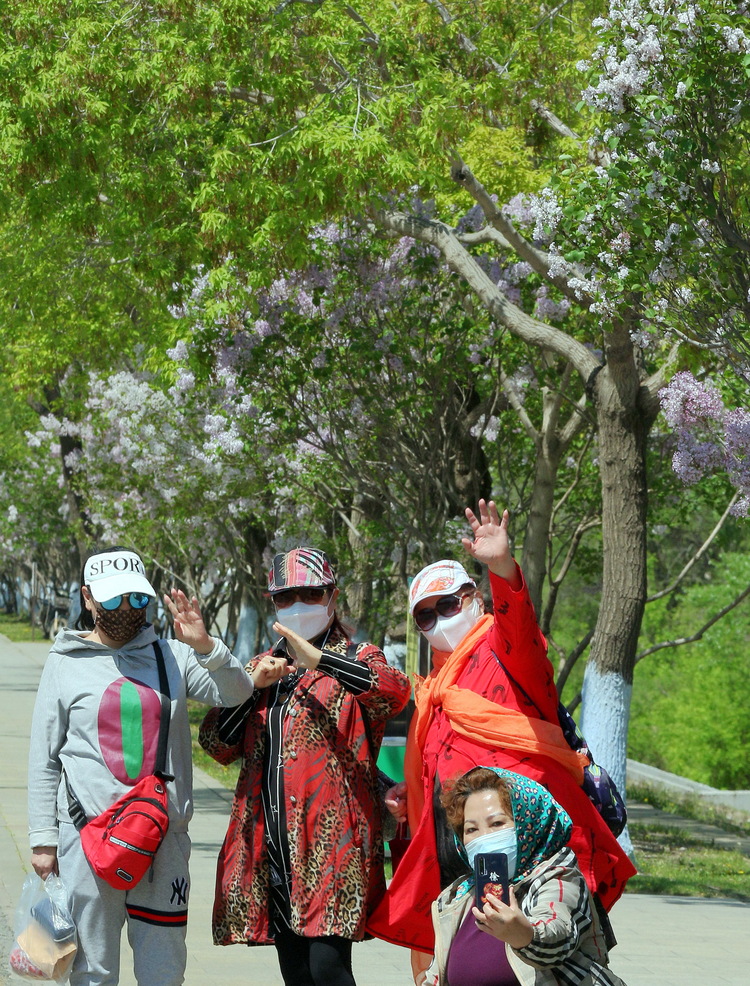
(491, 875)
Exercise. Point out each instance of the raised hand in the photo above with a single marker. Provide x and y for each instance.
(188, 622)
(303, 652)
(490, 544)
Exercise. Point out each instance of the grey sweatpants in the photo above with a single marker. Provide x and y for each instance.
(155, 912)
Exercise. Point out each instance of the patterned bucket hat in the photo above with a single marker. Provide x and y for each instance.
(300, 567)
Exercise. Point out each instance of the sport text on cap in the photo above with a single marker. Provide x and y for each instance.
(114, 573)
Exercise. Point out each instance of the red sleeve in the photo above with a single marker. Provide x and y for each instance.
(389, 689)
(520, 646)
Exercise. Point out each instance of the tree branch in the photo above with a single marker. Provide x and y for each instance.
(698, 554)
(517, 406)
(253, 96)
(537, 259)
(570, 663)
(652, 385)
(487, 235)
(554, 121)
(557, 580)
(465, 42)
(679, 641)
(533, 332)
(372, 39)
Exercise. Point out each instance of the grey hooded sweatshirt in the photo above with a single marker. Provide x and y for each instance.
(96, 722)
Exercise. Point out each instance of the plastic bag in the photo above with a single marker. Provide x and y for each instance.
(46, 939)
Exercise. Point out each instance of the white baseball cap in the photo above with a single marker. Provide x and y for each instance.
(115, 573)
(441, 578)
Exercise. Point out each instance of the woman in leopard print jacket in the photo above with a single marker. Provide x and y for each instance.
(302, 862)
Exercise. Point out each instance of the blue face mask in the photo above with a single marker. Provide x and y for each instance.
(504, 840)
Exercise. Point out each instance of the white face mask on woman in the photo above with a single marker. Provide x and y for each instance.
(309, 620)
(504, 840)
(449, 631)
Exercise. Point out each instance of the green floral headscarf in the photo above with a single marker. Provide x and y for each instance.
(543, 826)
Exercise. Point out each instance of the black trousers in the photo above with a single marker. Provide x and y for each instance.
(314, 961)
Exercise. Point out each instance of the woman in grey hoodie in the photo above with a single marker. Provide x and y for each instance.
(94, 735)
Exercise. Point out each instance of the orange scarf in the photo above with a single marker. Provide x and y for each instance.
(478, 719)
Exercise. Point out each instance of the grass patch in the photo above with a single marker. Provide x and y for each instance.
(736, 822)
(225, 775)
(18, 628)
(670, 861)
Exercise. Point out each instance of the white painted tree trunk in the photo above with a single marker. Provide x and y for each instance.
(247, 632)
(604, 723)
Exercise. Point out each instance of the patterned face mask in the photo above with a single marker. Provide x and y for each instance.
(120, 624)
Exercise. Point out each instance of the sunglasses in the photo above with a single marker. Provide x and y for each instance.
(445, 606)
(305, 594)
(137, 600)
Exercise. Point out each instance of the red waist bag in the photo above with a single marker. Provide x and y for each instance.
(120, 844)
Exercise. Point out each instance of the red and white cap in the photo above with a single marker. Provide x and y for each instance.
(439, 579)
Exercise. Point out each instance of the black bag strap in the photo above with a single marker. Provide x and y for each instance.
(166, 714)
(75, 808)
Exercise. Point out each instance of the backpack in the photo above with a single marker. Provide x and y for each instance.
(599, 787)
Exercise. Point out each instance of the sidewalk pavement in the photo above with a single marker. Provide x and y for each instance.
(664, 940)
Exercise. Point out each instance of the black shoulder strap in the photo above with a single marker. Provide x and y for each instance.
(166, 714)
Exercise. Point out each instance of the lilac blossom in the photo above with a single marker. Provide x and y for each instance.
(709, 437)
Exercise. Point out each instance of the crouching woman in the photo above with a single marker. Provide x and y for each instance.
(548, 933)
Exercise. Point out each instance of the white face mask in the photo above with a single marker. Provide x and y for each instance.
(449, 631)
(309, 620)
(504, 840)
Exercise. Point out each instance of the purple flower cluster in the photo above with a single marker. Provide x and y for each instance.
(709, 438)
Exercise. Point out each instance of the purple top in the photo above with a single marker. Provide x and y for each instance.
(478, 959)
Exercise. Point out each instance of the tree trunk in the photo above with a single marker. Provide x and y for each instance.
(359, 579)
(622, 429)
(536, 541)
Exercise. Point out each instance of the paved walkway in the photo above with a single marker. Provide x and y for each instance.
(662, 940)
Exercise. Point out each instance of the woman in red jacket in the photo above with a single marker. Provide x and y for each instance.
(490, 699)
(302, 861)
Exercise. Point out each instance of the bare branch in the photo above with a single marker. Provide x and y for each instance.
(537, 259)
(533, 332)
(486, 235)
(554, 121)
(556, 581)
(517, 406)
(575, 422)
(698, 554)
(571, 661)
(253, 96)
(465, 42)
(650, 387)
(373, 40)
(288, 3)
(679, 641)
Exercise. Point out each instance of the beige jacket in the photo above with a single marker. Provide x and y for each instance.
(567, 949)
